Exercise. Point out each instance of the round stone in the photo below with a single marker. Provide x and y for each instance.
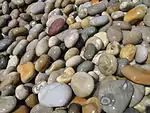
(54, 52)
(80, 88)
(49, 95)
(53, 41)
(108, 64)
(41, 77)
(21, 92)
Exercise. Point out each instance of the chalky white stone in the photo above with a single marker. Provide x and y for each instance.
(55, 95)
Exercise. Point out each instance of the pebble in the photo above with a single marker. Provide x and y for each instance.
(146, 19)
(21, 92)
(117, 15)
(141, 54)
(49, 95)
(28, 56)
(66, 76)
(13, 23)
(55, 24)
(119, 90)
(39, 109)
(37, 7)
(8, 90)
(27, 71)
(53, 41)
(54, 75)
(5, 43)
(137, 13)
(113, 7)
(32, 45)
(59, 111)
(37, 87)
(77, 81)
(96, 8)
(138, 94)
(18, 2)
(54, 52)
(41, 47)
(20, 47)
(5, 7)
(71, 52)
(114, 34)
(128, 52)
(41, 77)
(90, 51)
(122, 24)
(131, 110)
(95, 41)
(74, 61)
(132, 37)
(113, 48)
(10, 104)
(58, 64)
(31, 100)
(99, 21)
(3, 61)
(22, 109)
(71, 38)
(89, 108)
(107, 64)
(85, 66)
(42, 63)
(140, 76)
(75, 108)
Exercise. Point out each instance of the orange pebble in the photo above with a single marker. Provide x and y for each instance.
(79, 100)
(95, 1)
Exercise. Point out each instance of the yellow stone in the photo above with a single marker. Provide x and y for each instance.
(128, 52)
(31, 100)
(22, 109)
(70, 20)
(89, 108)
(27, 71)
(85, 23)
(76, 25)
(135, 14)
(66, 76)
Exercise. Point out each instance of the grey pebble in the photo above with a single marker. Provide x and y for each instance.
(96, 9)
(13, 23)
(20, 47)
(5, 30)
(3, 61)
(54, 52)
(41, 109)
(2, 21)
(114, 33)
(41, 47)
(90, 51)
(99, 21)
(42, 35)
(28, 56)
(32, 45)
(53, 76)
(14, 14)
(13, 61)
(21, 92)
(7, 91)
(7, 104)
(36, 88)
(5, 7)
(4, 43)
(25, 17)
(37, 7)
(122, 24)
(75, 108)
(85, 66)
(18, 2)
(74, 61)
(53, 41)
(41, 77)
(59, 111)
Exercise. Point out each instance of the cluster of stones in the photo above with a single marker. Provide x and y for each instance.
(74, 56)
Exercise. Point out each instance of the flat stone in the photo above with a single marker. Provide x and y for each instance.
(37, 7)
(80, 88)
(49, 95)
(7, 104)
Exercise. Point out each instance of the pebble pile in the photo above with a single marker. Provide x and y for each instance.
(74, 56)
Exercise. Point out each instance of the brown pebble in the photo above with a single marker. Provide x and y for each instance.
(31, 100)
(22, 109)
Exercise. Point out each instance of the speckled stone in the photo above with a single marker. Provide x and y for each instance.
(79, 88)
(54, 52)
(71, 52)
(10, 104)
(31, 100)
(85, 66)
(90, 51)
(39, 109)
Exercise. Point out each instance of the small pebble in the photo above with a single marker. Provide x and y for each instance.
(31, 100)
(85, 66)
(74, 61)
(54, 52)
(39, 109)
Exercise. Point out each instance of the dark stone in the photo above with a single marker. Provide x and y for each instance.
(75, 108)
(85, 66)
(4, 43)
(3, 61)
(131, 110)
